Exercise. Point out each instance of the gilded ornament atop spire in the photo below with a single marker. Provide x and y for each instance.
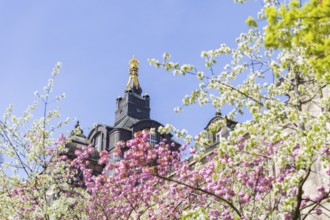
(134, 63)
(133, 81)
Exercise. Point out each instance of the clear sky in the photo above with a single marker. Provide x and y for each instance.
(95, 40)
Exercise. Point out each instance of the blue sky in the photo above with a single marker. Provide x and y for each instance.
(95, 40)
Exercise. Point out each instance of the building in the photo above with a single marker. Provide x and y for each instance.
(132, 114)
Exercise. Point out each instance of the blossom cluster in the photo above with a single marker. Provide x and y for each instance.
(150, 182)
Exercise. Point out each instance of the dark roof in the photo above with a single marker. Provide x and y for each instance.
(106, 127)
(126, 122)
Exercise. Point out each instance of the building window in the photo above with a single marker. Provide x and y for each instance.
(223, 133)
(98, 142)
(153, 139)
(218, 137)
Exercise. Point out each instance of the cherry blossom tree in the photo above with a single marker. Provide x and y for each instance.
(34, 177)
(273, 166)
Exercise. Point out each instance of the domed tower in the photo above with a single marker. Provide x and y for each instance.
(132, 115)
(132, 107)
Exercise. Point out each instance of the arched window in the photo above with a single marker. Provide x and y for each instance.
(98, 142)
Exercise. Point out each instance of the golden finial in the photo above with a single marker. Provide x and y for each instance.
(133, 74)
(134, 63)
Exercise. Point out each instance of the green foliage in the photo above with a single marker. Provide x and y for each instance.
(306, 27)
(251, 22)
